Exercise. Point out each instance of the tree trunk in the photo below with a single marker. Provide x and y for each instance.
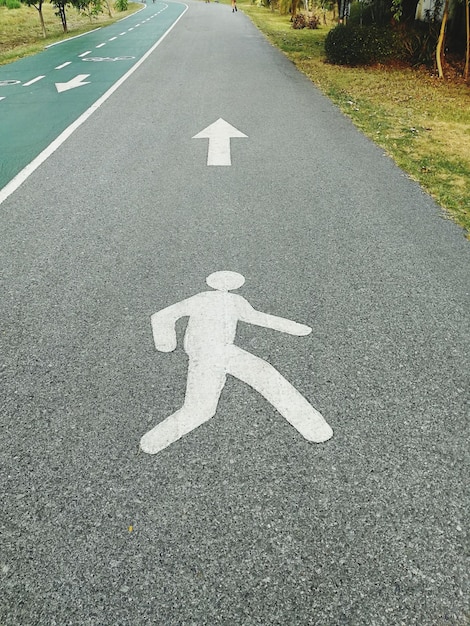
(108, 7)
(467, 53)
(63, 17)
(441, 40)
(41, 19)
(294, 8)
(38, 8)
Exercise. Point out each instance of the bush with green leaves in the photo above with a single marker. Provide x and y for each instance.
(121, 5)
(361, 45)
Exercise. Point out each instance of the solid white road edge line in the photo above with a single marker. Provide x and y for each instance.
(52, 147)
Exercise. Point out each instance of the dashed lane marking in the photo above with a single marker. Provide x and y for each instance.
(35, 80)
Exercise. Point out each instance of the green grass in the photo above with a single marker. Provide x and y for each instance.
(21, 35)
(422, 122)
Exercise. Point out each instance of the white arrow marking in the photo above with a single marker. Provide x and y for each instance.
(219, 134)
(78, 81)
(2, 97)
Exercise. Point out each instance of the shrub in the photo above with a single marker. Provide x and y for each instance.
(419, 41)
(361, 45)
(13, 4)
(299, 21)
(121, 5)
(313, 22)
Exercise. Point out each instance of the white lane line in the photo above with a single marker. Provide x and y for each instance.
(2, 97)
(35, 80)
(52, 147)
(59, 67)
(84, 53)
(121, 34)
(112, 38)
(100, 45)
(76, 37)
(130, 28)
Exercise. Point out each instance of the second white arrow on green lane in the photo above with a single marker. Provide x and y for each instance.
(219, 134)
(78, 81)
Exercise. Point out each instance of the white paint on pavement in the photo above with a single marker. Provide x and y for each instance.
(89, 32)
(78, 81)
(219, 134)
(208, 342)
(35, 80)
(84, 54)
(60, 67)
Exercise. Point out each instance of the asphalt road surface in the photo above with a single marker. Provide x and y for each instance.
(241, 521)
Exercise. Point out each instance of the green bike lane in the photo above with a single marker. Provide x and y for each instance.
(43, 96)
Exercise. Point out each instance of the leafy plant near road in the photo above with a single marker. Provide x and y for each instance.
(422, 122)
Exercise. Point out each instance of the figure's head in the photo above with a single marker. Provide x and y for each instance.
(225, 281)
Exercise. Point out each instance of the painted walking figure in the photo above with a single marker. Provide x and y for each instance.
(208, 342)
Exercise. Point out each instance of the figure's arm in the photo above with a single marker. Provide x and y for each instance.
(281, 324)
(163, 326)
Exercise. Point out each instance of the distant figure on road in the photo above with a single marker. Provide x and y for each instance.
(212, 325)
(234, 6)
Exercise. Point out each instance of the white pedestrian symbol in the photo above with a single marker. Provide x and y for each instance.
(208, 342)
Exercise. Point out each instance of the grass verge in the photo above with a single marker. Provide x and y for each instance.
(21, 35)
(421, 121)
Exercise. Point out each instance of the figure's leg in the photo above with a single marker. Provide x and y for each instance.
(203, 389)
(280, 393)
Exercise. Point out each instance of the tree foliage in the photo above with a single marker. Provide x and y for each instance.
(90, 8)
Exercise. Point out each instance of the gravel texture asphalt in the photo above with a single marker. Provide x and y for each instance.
(242, 521)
